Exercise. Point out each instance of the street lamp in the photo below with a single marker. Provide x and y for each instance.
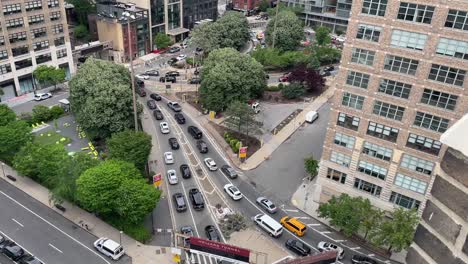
(120, 240)
(128, 16)
(3, 169)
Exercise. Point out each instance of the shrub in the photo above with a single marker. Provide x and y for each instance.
(136, 231)
(293, 91)
(273, 88)
(27, 117)
(281, 86)
(238, 146)
(227, 137)
(190, 61)
(56, 111)
(41, 114)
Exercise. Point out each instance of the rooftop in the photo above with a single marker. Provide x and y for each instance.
(455, 136)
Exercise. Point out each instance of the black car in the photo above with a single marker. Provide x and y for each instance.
(174, 49)
(194, 80)
(179, 202)
(152, 73)
(228, 171)
(188, 231)
(360, 259)
(185, 171)
(179, 118)
(171, 61)
(151, 104)
(171, 79)
(329, 68)
(158, 114)
(29, 260)
(173, 143)
(325, 73)
(197, 71)
(202, 146)
(172, 73)
(13, 251)
(195, 132)
(196, 197)
(141, 92)
(155, 96)
(3, 242)
(198, 51)
(139, 83)
(297, 247)
(211, 233)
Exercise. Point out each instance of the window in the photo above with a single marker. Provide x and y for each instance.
(348, 121)
(38, 32)
(388, 110)
(394, 88)
(424, 144)
(368, 32)
(404, 201)
(43, 58)
(61, 53)
(409, 40)
(41, 45)
(36, 19)
(5, 68)
(358, 79)
(59, 41)
(52, 3)
(447, 75)
(57, 29)
(20, 50)
(453, 48)
(382, 131)
(431, 122)
(352, 100)
(377, 151)
(372, 170)
(374, 7)
(417, 164)
(457, 19)
(344, 140)
(415, 13)
(2, 40)
(14, 23)
(410, 183)
(11, 9)
(3, 55)
(17, 37)
(54, 16)
(439, 99)
(367, 187)
(362, 56)
(337, 176)
(340, 158)
(33, 5)
(400, 64)
(23, 64)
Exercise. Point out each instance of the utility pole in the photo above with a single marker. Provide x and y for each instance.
(132, 77)
(276, 22)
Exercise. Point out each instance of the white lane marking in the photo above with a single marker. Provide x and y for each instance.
(371, 255)
(325, 232)
(54, 247)
(190, 210)
(340, 241)
(14, 220)
(302, 217)
(355, 248)
(309, 225)
(290, 210)
(9, 238)
(58, 229)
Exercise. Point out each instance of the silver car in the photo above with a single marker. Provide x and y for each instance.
(164, 127)
(168, 158)
(172, 177)
(267, 205)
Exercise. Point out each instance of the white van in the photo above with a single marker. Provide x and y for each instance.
(268, 224)
(311, 116)
(109, 248)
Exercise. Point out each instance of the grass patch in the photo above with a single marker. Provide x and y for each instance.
(135, 231)
(51, 137)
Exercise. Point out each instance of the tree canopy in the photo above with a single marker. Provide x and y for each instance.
(289, 31)
(311, 166)
(13, 136)
(162, 41)
(322, 36)
(310, 78)
(82, 8)
(343, 212)
(101, 97)
(49, 75)
(130, 146)
(241, 118)
(6, 115)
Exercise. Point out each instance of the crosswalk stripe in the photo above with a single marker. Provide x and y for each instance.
(302, 217)
(291, 210)
(313, 225)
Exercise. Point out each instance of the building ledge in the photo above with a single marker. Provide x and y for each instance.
(177, 31)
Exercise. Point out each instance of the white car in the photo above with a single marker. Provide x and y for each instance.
(109, 248)
(172, 177)
(42, 96)
(181, 57)
(168, 158)
(142, 76)
(232, 191)
(211, 164)
(164, 127)
(325, 246)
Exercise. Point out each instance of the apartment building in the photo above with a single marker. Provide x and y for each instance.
(32, 33)
(402, 83)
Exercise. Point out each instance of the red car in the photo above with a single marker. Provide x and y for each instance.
(284, 78)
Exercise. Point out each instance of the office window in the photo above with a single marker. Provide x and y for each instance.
(439, 99)
(415, 13)
(400, 64)
(5, 68)
(344, 140)
(3, 55)
(14, 23)
(457, 19)
(20, 50)
(337, 176)
(447, 75)
(43, 58)
(38, 32)
(391, 111)
(410, 183)
(417, 164)
(453, 48)
(382, 131)
(377, 151)
(11, 9)
(394, 88)
(374, 7)
(352, 100)
(368, 187)
(424, 144)
(59, 41)
(41, 45)
(358, 79)
(54, 16)
(2, 40)
(33, 5)
(52, 3)
(36, 19)
(368, 32)
(362, 56)
(18, 37)
(57, 29)
(372, 170)
(61, 53)
(404, 201)
(340, 158)
(409, 40)
(431, 122)
(348, 121)
(23, 64)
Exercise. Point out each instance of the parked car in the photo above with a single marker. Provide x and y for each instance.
(139, 83)
(297, 247)
(164, 127)
(284, 78)
(179, 202)
(152, 73)
(267, 205)
(329, 68)
(109, 248)
(326, 246)
(188, 231)
(195, 132)
(174, 106)
(141, 92)
(155, 97)
(233, 191)
(173, 143)
(361, 259)
(181, 57)
(13, 251)
(29, 260)
(172, 177)
(42, 96)
(168, 158)
(211, 164)
(202, 146)
(183, 45)
(185, 171)
(142, 76)
(2, 239)
(196, 197)
(179, 118)
(229, 171)
(158, 114)
(174, 49)
(151, 104)
(171, 79)
(197, 71)
(325, 73)
(211, 233)
(172, 61)
(172, 73)
(198, 51)
(194, 80)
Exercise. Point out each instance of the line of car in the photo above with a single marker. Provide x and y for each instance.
(14, 252)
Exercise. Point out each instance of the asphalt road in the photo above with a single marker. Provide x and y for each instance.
(45, 233)
(27, 107)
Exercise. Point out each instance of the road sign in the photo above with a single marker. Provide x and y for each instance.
(243, 152)
(157, 180)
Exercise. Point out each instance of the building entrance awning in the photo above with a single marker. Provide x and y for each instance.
(177, 31)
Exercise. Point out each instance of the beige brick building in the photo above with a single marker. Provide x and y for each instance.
(402, 83)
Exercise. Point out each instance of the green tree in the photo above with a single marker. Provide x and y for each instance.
(241, 118)
(162, 40)
(41, 113)
(371, 218)
(276, 59)
(6, 115)
(283, 7)
(81, 32)
(101, 97)
(13, 136)
(289, 31)
(49, 75)
(82, 8)
(130, 146)
(229, 76)
(293, 91)
(326, 54)
(264, 5)
(322, 36)
(311, 166)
